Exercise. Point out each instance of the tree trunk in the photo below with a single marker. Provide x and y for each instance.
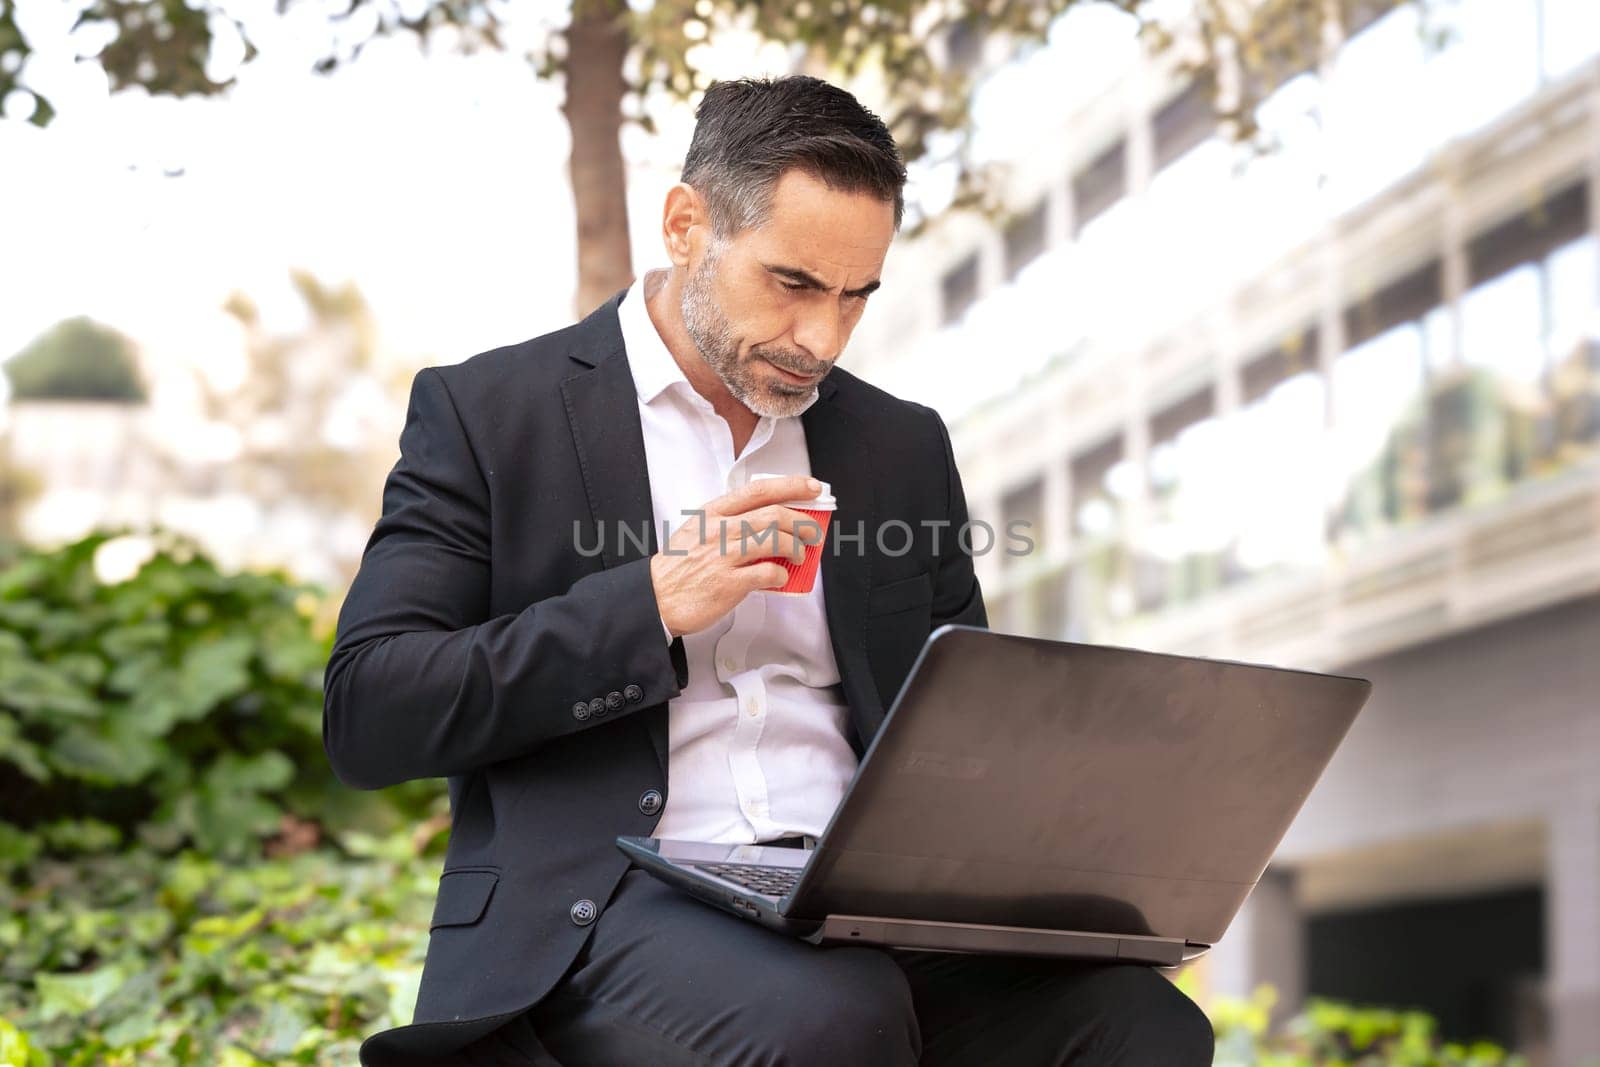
(597, 43)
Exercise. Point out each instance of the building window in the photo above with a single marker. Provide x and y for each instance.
(1095, 508)
(1025, 238)
(1501, 326)
(1023, 506)
(1406, 299)
(1101, 184)
(960, 287)
(1295, 355)
(1377, 386)
(1530, 235)
(1278, 501)
(1183, 123)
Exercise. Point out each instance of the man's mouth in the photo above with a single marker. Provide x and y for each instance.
(791, 376)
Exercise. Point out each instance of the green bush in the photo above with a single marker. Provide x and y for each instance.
(1329, 1034)
(182, 879)
(180, 707)
(139, 958)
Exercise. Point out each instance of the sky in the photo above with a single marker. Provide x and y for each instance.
(437, 183)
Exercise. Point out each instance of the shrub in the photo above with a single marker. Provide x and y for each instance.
(120, 959)
(1340, 1035)
(180, 707)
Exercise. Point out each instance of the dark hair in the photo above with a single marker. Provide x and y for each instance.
(750, 131)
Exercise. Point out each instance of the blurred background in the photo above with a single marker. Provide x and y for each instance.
(1277, 320)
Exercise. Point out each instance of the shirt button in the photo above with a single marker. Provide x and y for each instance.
(632, 693)
(597, 706)
(583, 912)
(752, 705)
(727, 663)
(650, 801)
(580, 711)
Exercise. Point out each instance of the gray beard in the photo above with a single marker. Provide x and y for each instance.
(704, 322)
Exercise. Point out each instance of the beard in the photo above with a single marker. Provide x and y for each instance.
(713, 336)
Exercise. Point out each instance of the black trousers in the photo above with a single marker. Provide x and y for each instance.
(669, 982)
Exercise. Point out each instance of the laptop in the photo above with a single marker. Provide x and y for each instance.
(1049, 798)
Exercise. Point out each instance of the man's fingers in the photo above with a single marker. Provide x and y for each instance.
(764, 543)
(764, 491)
(762, 576)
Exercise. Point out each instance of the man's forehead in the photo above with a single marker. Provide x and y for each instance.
(834, 262)
(808, 217)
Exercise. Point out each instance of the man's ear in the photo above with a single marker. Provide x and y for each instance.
(685, 225)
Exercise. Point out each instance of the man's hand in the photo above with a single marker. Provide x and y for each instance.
(710, 562)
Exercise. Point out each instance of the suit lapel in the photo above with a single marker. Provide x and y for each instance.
(841, 457)
(603, 412)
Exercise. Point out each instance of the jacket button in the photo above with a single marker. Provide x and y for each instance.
(650, 801)
(597, 707)
(583, 912)
(580, 711)
(633, 693)
(613, 700)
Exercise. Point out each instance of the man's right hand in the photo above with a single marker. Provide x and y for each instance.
(711, 562)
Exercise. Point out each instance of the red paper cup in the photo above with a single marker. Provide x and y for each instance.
(803, 575)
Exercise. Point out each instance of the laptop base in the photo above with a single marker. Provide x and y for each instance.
(1001, 940)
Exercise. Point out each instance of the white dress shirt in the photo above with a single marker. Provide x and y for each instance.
(757, 746)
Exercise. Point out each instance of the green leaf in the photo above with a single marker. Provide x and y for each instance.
(134, 1029)
(37, 690)
(76, 994)
(83, 668)
(19, 751)
(16, 847)
(264, 772)
(81, 835)
(104, 754)
(16, 1050)
(214, 672)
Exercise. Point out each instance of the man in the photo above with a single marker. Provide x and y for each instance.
(518, 626)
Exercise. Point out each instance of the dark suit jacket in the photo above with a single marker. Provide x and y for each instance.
(482, 629)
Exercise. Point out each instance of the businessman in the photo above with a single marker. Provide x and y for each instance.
(564, 611)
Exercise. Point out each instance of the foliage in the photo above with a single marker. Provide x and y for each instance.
(123, 959)
(181, 706)
(1340, 1035)
(155, 731)
(77, 359)
(1239, 53)
(135, 958)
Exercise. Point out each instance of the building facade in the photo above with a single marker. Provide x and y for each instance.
(1334, 407)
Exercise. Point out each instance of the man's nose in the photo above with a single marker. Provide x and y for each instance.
(820, 330)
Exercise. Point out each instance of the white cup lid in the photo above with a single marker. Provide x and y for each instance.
(822, 500)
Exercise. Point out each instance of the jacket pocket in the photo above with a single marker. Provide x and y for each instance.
(463, 896)
(913, 592)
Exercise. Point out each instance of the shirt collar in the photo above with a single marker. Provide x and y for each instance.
(654, 369)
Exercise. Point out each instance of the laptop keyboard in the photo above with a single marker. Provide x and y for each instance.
(772, 881)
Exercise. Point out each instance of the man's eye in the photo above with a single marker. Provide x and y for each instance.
(795, 288)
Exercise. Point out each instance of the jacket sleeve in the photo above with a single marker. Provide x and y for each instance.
(956, 595)
(422, 682)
